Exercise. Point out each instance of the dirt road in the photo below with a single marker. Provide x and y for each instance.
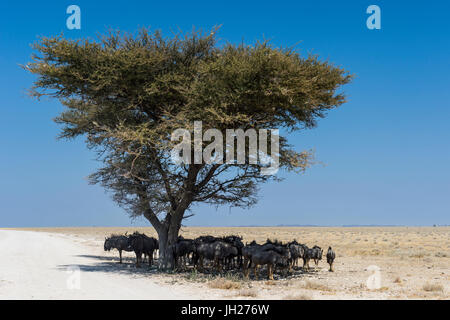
(37, 265)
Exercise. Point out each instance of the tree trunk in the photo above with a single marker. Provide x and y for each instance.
(167, 235)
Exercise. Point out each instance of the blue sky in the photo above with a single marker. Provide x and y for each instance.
(385, 152)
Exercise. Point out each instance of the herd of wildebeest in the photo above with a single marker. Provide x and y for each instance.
(224, 253)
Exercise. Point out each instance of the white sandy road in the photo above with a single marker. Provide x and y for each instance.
(34, 265)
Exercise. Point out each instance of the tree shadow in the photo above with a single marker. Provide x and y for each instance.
(107, 264)
(110, 264)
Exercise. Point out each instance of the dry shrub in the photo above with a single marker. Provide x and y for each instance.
(248, 293)
(225, 284)
(433, 287)
(312, 285)
(382, 289)
(298, 297)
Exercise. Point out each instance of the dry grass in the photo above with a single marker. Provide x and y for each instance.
(298, 297)
(313, 285)
(248, 293)
(398, 280)
(399, 242)
(433, 287)
(402, 253)
(225, 284)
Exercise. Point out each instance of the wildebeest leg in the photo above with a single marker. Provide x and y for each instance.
(256, 271)
(245, 267)
(331, 267)
(270, 271)
(120, 256)
(138, 259)
(200, 263)
(218, 264)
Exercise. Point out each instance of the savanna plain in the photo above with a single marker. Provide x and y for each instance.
(412, 263)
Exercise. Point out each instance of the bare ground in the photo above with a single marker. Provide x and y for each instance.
(414, 263)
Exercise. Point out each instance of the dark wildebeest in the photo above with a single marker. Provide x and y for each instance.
(235, 241)
(330, 258)
(119, 242)
(272, 254)
(143, 244)
(269, 258)
(181, 251)
(249, 250)
(307, 255)
(317, 254)
(297, 251)
(314, 253)
(216, 251)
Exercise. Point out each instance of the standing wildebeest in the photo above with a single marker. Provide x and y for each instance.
(330, 258)
(181, 250)
(317, 254)
(314, 253)
(217, 251)
(118, 242)
(271, 254)
(297, 251)
(307, 255)
(143, 244)
(235, 241)
(270, 258)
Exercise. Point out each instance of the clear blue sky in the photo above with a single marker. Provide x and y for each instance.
(386, 151)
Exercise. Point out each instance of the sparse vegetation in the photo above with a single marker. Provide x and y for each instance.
(225, 284)
(298, 297)
(248, 293)
(313, 285)
(433, 287)
(403, 274)
(398, 280)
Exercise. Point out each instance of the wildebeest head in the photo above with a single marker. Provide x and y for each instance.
(236, 241)
(108, 244)
(318, 252)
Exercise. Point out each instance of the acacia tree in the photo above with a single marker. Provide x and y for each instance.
(126, 93)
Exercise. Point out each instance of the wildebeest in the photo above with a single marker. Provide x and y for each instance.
(317, 254)
(119, 242)
(330, 258)
(297, 251)
(314, 253)
(235, 241)
(269, 258)
(272, 254)
(181, 251)
(142, 244)
(217, 251)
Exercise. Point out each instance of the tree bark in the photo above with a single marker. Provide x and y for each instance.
(167, 236)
